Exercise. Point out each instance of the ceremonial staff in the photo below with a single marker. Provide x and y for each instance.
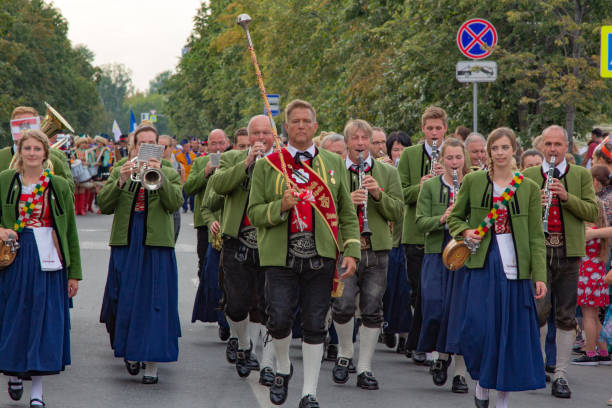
(243, 21)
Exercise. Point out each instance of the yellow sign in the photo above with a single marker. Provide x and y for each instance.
(606, 52)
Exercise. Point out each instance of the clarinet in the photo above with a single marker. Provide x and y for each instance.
(548, 192)
(455, 186)
(435, 155)
(366, 226)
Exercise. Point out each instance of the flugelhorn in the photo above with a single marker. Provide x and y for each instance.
(548, 192)
(151, 178)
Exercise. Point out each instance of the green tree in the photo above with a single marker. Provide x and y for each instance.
(114, 83)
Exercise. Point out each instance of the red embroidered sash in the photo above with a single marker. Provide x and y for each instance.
(320, 198)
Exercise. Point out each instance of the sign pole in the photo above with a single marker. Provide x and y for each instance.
(475, 102)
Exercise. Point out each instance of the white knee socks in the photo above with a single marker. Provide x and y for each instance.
(241, 329)
(37, 389)
(367, 344)
(345, 338)
(255, 332)
(16, 380)
(281, 351)
(267, 355)
(565, 341)
(543, 334)
(312, 355)
(150, 369)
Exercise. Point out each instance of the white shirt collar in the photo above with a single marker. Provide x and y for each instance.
(367, 160)
(15, 148)
(292, 150)
(561, 166)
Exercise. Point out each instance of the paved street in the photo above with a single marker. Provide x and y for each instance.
(202, 378)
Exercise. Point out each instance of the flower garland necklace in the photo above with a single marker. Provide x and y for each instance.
(25, 212)
(507, 195)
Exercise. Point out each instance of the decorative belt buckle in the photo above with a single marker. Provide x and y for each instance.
(302, 245)
(554, 239)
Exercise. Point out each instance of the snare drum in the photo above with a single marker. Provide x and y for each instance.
(80, 173)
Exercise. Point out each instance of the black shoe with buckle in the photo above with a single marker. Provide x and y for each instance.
(340, 372)
(41, 403)
(147, 379)
(230, 351)
(332, 352)
(550, 369)
(560, 388)
(459, 385)
(419, 357)
(242, 363)
(401, 346)
(224, 333)
(252, 362)
(367, 381)
(15, 390)
(266, 376)
(439, 372)
(352, 369)
(279, 389)
(133, 367)
(390, 340)
(481, 403)
(309, 401)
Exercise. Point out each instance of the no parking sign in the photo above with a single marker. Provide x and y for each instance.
(476, 38)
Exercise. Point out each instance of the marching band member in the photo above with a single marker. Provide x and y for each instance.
(195, 185)
(300, 269)
(242, 275)
(56, 157)
(140, 306)
(83, 189)
(573, 202)
(414, 169)
(35, 289)
(379, 185)
(476, 150)
(102, 163)
(441, 289)
(499, 336)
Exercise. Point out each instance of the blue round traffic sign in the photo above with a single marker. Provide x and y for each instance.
(476, 38)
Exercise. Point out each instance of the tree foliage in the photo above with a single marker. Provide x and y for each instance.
(387, 60)
(38, 63)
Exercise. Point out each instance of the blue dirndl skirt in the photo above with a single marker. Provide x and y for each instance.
(206, 305)
(500, 336)
(396, 302)
(34, 315)
(140, 305)
(442, 300)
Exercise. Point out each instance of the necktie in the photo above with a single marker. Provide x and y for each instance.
(306, 155)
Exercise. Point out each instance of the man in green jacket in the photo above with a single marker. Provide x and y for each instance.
(195, 185)
(242, 275)
(58, 159)
(296, 234)
(377, 193)
(573, 203)
(414, 168)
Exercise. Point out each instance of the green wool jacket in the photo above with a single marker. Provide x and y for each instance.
(160, 206)
(195, 185)
(211, 209)
(232, 181)
(58, 159)
(264, 211)
(474, 202)
(413, 165)
(432, 203)
(580, 206)
(389, 208)
(61, 201)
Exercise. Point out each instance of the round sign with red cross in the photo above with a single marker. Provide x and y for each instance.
(476, 38)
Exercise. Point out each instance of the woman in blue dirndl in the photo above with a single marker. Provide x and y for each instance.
(36, 287)
(441, 289)
(140, 305)
(500, 335)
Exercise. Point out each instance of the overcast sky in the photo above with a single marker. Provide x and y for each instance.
(146, 36)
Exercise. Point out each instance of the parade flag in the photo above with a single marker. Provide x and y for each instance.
(116, 130)
(19, 125)
(133, 123)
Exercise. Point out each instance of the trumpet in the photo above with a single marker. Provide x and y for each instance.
(366, 226)
(548, 192)
(455, 186)
(435, 156)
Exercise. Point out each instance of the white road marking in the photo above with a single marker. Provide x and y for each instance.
(92, 230)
